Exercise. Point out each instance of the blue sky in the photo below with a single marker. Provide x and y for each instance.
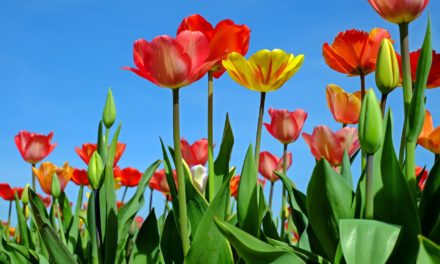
(58, 58)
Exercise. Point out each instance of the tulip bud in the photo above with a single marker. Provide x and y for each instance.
(370, 124)
(387, 68)
(55, 188)
(109, 113)
(95, 171)
(25, 194)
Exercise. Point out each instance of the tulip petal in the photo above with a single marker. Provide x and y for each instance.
(196, 23)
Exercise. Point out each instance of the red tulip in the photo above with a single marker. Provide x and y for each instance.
(46, 200)
(225, 38)
(270, 163)
(286, 126)
(128, 177)
(235, 181)
(195, 154)
(325, 144)
(399, 11)
(7, 193)
(79, 177)
(159, 182)
(354, 52)
(34, 147)
(345, 107)
(139, 221)
(434, 73)
(173, 63)
(422, 173)
(87, 149)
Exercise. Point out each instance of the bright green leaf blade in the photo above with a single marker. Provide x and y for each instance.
(146, 247)
(94, 253)
(73, 230)
(66, 210)
(221, 164)
(429, 252)
(171, 182)
(307, 256)
(346, 170)
(367, 241)
(170, 242)
(25, 235)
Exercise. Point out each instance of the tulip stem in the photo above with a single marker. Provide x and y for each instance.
(9, 219)
(151, 200)
(271, 195)
(34, 184)
(183, 221)
(369, 199)
(383, 103)
(410, 166)
(211, 175)
(362, 87)
(97, 219)
(259, 126)
(123, 195)
(60, 223)
(283, 200)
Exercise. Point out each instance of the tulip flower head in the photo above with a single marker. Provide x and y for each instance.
(223, 39)
(159, 182)
(354, 52)
(345, 107)
(86, 151)
(434, 73)
(324, 143)
(8, 193)
(195, 154)
(47, 170)
(128, 177)
(286, 126)
(422, 176)
(429, 138)
(173, 62)
(34, 147)
(265, 71)
(387, 68)
(199, 177)
(79, 177)
(399, 11)
(270, 163)
(370, 124)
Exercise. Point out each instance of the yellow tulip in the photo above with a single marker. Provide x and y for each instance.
(265, 71)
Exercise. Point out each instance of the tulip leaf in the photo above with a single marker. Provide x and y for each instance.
(66, 210)
(269, 227)
(395, 193)
(329, 199)
(367, 241)
(247, 201)
(429, 207)
(16, 253)
(221, 164)
(170, 242)
(307, 256)
(429, 252)
(73, 230)
(146, 246)
(171, 183)
(58, 252)
(253, 250)
(346, 169)
(209, 246)
(94, 254)
(25, 235)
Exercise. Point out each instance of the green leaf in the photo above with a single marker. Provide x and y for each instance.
(221, 164)
(395, 204)
(367, 241)
(25, 235)
(247, 201)
(329, 200)
(57, 250)
(66, 210)
(209, 246)
(73, 230)
(346, 169)
(253, 250)
(95, 249)
(307, 256)
(171, 242)
(171, 182)
(146, 246)
(269, 227)
(429, 252)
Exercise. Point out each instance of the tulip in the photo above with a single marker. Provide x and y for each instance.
(387, 68)
(345, 107)
(34, 147)
(422, 174)
(80, 177)
(325, 144)
(25, 194)
(429, 138)
(46, 200)
(370, 124)
(159, 182)
(235, 182)
(8, 193)
(434, 73)
(286, 126)
(399, 11)
(95, 171)
(47, 170)
(86, 151)
(270, 163)
(199, 177)
(128, 177)
(225, 38)
(195, 154)
(109, 112)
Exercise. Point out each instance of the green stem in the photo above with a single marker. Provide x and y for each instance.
(123, 195)
(259, 126)
(151, 200)
(383, 104)
(60, 223)
(211, 175)
(369, 199)
(271, 194)
(34, 184)
(184, 233)
(284, 200)
(410, 165)
(98, 220)
(9, 219)
(363, 161)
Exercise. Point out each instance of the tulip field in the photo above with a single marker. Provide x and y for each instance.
(368, 198)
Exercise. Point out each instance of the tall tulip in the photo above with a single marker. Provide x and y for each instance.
(87, 149)
(45, 172)
(345, 107)
(284, 125)
(79, 177)
(398, 11)
(34, 148)
(128, 177)
(196, 153)
(8, 193)
(434, 73)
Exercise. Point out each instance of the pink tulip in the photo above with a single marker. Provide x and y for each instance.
(399, 11)
(34, 147)
(270, 163)
(286, 126)
(195, 154)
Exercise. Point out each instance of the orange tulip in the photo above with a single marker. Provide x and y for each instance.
(399, 11)
(235, 181)
(34, 147)
(429, 138)
(128, 177)
(195, 154)
(354, 52)
(284, 125)
(87, 149)
(47, 170)
(225, 38)
(8, 193)
(325, 144)
(79, 177)
(434, 73)
(421, 173)
(270, 163)
(345, 107)
(159, 182)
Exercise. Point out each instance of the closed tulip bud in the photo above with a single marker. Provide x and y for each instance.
(55, 188)
(95, 171)
(109, 113)
(370, 124)
(25, 194)
(387, 68)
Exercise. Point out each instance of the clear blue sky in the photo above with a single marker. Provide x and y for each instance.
(58, 58)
